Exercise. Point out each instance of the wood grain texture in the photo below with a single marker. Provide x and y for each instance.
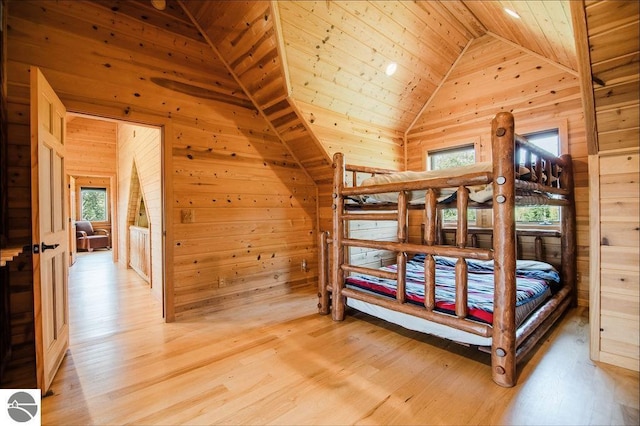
(618, 311)
(139, 152)
(613, 35)
(123, 56)
(338, 58)
(278, 363)
(91, 147)
(551, 38)
(493, 75)
(613, 39)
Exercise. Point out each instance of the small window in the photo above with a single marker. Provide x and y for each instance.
(454, 157)
(446, 159)
(549, 140)
(94, 204)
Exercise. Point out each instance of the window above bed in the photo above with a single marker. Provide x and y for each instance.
(537, 216)
(452, 157)
(462, 155)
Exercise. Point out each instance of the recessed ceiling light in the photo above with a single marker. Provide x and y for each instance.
(159, 4)
(391, 69)
(512, 13)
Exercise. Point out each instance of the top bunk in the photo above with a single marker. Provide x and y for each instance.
(536, 175)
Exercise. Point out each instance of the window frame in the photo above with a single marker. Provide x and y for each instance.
(563, 147)
(472, 143)
(106, 204)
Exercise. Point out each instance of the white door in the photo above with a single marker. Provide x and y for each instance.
(49, 229)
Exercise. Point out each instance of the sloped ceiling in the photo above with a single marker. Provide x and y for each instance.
(337, 51)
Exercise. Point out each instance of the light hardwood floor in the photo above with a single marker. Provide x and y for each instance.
(278, 362)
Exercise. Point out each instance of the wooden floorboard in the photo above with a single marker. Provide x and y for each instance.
(278, 362)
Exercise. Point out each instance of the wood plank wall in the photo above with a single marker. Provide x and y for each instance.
(142, 146)
(615, 306)
(614, 40)
(613, 32)
(91, 147)
(242, 214)
(493, 76)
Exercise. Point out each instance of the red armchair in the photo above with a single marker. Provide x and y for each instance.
(89, 239)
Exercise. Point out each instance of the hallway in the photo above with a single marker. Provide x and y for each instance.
(106, 299)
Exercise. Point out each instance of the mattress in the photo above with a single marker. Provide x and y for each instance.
(477, 193)
(535, 282)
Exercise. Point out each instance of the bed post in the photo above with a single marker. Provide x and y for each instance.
(503, 348)
(323, 267)
(568, 237)
(337, 250)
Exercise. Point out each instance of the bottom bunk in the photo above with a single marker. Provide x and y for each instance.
(536, 282)
(541, 298)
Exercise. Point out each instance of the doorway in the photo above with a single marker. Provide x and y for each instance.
(109, 155)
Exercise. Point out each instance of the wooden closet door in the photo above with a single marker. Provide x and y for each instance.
(616, 324)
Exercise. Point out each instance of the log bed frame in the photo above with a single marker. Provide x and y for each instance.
(509, 344)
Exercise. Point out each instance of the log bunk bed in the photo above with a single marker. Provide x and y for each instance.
(550, 182)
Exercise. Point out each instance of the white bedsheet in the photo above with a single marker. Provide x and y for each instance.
(477, 193)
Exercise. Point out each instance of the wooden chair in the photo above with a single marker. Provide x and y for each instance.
(89, 238)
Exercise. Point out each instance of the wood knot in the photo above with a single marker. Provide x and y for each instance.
(501, 131)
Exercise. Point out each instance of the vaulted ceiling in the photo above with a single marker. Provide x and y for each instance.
(337, 51)
(293, 57)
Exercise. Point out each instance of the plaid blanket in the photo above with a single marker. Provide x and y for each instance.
(534, 280)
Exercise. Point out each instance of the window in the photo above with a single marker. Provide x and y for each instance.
(549, 140)
(94, 204)
(454, 157)
(446, 159)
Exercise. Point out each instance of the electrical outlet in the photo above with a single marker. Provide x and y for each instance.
(303, 265)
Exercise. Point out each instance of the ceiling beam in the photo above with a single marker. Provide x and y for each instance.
(579, 21)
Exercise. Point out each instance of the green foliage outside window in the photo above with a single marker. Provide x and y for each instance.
(541, 215)
(463, 156)
(453, 158)
(94, 204)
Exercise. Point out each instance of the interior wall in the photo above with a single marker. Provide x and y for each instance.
(91, 147)
(241, 215)
(495, 76)
(362, 143)
(141, 145)
(614, 46)
(614, 43)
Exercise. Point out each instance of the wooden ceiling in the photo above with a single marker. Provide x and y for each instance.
(337, 51)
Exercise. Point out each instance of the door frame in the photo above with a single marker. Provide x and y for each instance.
(164, 125)
(113, 201)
